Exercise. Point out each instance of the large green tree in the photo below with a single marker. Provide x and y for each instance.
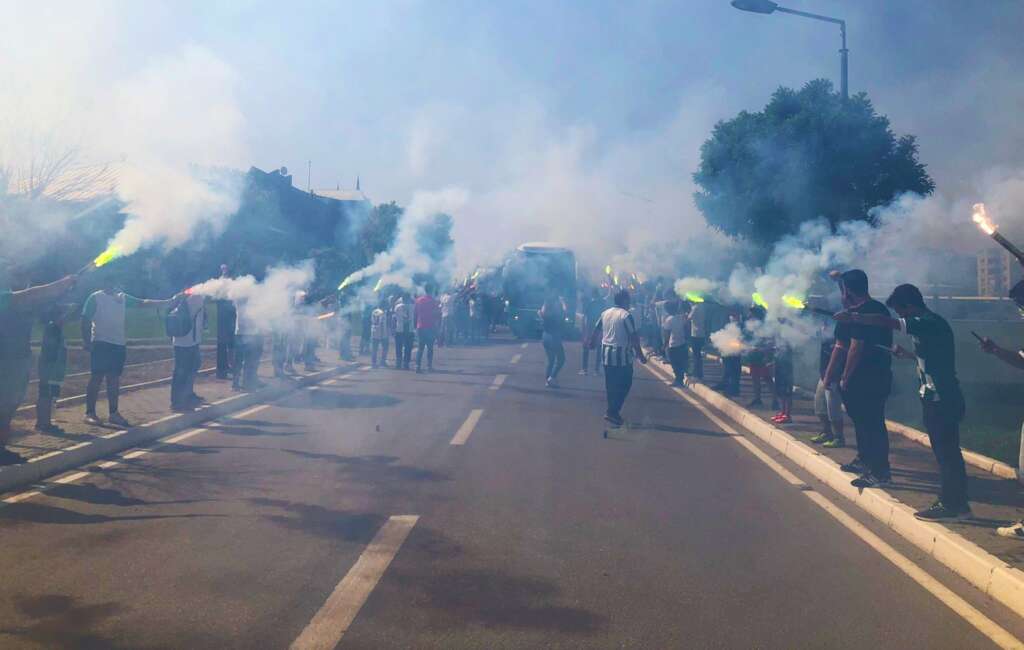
(808, 154)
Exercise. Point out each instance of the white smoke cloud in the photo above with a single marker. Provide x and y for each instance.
(702, 286)
(729, 340)
(267, 306)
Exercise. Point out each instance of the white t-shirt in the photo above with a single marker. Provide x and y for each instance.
(617, 326)
(107, 313)
(446, 305)
(403, 318)
(197, 311)
(699, 321)
(676, 327)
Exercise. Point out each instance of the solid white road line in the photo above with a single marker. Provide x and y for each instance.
(516, 358)
(334, 618)
(965, 610)
(462, 435)
(498, 381)
(525, 345)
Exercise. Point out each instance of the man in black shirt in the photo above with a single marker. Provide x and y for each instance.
(866, 378)
(942, 402)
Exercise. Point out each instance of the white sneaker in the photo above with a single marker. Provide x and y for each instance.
(118, 419)
(549, 382)
(92, 419)
(1015, 531)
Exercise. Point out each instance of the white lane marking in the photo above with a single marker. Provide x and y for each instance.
(498, 381)
(135, 454)
(182, 436)
(115, 434)
(462, 435)
(71, 478)
(364, 368)
(525, 345)
(248, 412)
(21, 497)
(982, 623)
(516, 358)
(107, 464)
(333, 619)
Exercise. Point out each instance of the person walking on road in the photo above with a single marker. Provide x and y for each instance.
(552, 316)
(865, 380)
(187, 356)
(427, 314)
(592, 308)
(942, 401)
(620, 344)
(103, 334)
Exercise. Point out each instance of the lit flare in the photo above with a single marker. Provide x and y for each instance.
(113, 252)
(794, 302)
(980, 216)
(693, 296)
(759, 300)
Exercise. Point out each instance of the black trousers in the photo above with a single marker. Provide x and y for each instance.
(697, 346)
(942, 421)
(186, 365)
(732, 370)
(679, 358)
(865, 404)
(425, 341)
(403, 349)
(618, 380)
(224, 349)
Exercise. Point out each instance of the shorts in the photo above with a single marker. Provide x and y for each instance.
(106, 359)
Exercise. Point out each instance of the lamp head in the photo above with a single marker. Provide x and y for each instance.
(756, 6)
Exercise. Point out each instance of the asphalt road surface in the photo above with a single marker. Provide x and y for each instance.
(466, 508)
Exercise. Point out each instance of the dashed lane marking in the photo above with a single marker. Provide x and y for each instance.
(525, 345)
(516, 358)
(462, 435)
(498, 381)
(334, 618)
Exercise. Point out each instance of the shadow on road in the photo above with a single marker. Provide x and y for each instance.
(321, 521)
(60, 622)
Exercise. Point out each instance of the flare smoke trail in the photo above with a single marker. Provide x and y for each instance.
(268, 305)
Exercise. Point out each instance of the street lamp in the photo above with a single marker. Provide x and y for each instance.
(769, 7)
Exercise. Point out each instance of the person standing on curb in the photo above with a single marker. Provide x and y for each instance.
(866, 379)
(677, 320)
(225, 331)
(698, 337)
(16, 315)
(827, 402)
(187, 356)
(1013, 358)
(248, 350)
(104, 317)
(552, 316)
(620, 343)
(427, 315)
(942, 401)
(52, 366)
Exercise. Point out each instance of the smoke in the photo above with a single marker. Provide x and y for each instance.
(729, 341)
(692, 285)
(267, 306)
(413, 253)
(149, 125)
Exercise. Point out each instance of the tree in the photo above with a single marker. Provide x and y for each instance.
(808, 154)
(377, 233)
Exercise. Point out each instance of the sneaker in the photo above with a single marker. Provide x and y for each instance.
(549, 382)
(1014, 531)
(869, 480)
(821, 438)
(855, 466)
(782, 419)
(937, 512)
(93, 419)
(48, 428)
(117, 419)
(613, 420)
(835, 443)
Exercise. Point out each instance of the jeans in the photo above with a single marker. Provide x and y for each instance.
(697, 346)
(186, 365)
(380, 345)
(425, 340)
(617, 382)
(865, 404)
(248, 350)
(827, 406)
(403, 349)
(942, 421)
(678, 357)
(732, 370)
(555, 351)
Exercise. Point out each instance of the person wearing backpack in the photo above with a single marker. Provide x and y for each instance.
(103, 335)
(186, 336)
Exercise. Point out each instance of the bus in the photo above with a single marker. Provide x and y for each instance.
(528, 276)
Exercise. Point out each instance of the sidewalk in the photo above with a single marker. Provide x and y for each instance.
(147, 409)
(995, 501)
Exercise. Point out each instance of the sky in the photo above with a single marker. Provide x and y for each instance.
(578, 122)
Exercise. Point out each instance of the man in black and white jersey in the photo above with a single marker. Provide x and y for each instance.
(620, 344)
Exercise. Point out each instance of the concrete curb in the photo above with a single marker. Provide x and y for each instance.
(78, 399)
(46, 465)
(972, 458)
(985, 571)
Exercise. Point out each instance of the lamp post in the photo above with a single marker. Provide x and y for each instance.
(769, 7)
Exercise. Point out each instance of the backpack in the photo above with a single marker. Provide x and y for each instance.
(178, 321)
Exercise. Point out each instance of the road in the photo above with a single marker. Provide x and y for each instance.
(346, 512)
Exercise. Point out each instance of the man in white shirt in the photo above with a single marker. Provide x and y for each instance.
(698, 337)
(103, 335)
(675, 324)
(620, 343)
(187, 357)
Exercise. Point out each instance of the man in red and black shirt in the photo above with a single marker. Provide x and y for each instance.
(427, 314)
